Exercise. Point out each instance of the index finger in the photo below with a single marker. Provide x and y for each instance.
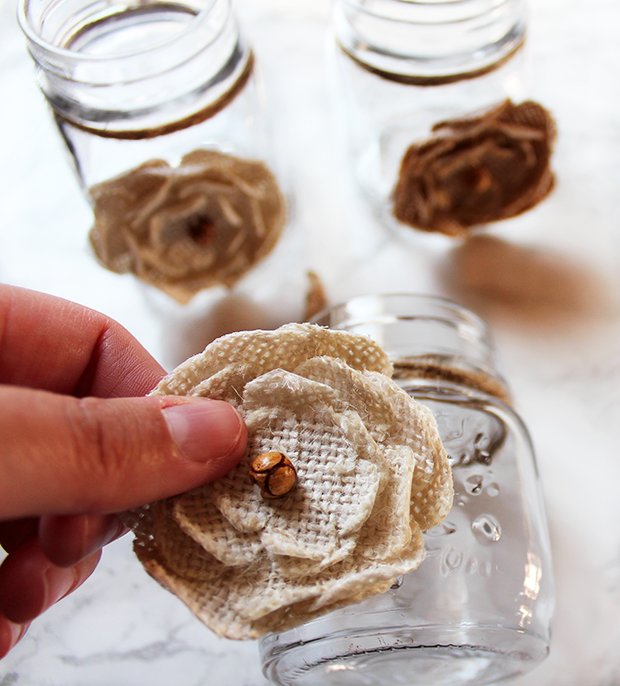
(56, 345)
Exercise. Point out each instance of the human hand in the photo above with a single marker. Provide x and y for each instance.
(80, 442)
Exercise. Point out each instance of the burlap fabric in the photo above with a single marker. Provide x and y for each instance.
(478, 169)
(183, 228)
(372, 475)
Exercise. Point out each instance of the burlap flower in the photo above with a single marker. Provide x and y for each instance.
(477, 169)
(371, 475)
(203, 223)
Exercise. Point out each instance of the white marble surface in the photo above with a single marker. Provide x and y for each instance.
(553, 301)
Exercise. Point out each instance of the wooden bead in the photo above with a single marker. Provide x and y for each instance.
(274, 473)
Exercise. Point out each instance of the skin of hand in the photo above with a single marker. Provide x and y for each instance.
(81, 442)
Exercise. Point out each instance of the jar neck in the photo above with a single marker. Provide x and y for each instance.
(127, 65)
(425, 337)
(429, 42)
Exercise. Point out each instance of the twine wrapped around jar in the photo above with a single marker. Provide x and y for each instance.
(159, 105)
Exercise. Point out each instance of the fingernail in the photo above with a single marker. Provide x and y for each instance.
(58, 582)
(30, 583)
(98, 532)
(206, 430)
(10, 635)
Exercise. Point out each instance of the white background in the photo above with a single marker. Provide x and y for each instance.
(547, 282)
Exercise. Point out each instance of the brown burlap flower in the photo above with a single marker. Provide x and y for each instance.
(184, 228)
(477, 169)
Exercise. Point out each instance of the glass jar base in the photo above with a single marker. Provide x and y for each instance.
(406, 657)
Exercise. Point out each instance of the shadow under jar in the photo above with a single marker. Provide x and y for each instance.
(478, 609)
(160, 110)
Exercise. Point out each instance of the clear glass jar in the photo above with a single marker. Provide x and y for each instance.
(478, 609)
(159, 106)
(403, 66)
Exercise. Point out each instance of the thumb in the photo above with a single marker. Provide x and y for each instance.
(64, 455)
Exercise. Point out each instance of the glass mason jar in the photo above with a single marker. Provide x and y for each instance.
(160, 110)
(403, 66)
(479, 607)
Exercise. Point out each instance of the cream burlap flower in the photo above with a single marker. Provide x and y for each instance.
(184, 228)
(477, 169)
(372, 475)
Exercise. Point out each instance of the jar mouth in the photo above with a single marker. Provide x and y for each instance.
(424, 39)
(429, 12)
(412, 326)
(62, 41)
(388, 307)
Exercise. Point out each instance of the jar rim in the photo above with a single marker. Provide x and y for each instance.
(429, 42)
(40, 46)
(423, 329)
(436, 300)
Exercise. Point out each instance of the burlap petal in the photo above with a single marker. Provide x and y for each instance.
(227, 384)
(431, 497)
(183, 555)
(338, 480)
(371, 473)
(347, 586)
(403, 423)
(196, 515)
(267, 350)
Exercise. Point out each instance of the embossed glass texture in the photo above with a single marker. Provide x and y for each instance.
(478, 610)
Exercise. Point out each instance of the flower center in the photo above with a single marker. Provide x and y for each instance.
(201, 229)
(478, 179)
